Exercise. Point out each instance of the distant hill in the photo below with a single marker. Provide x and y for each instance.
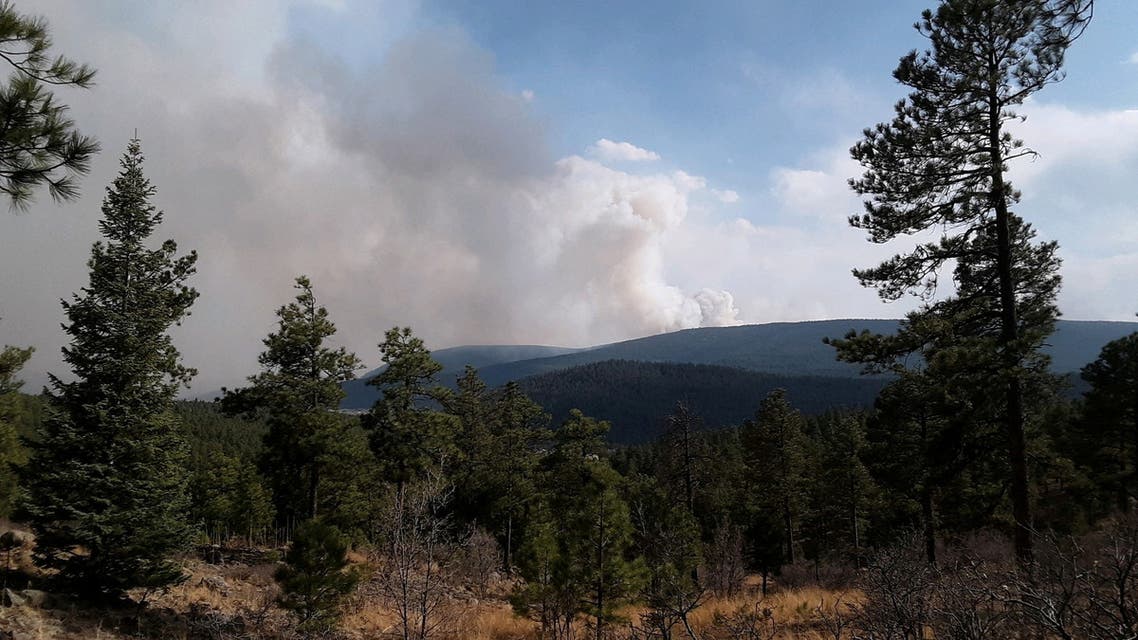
(647, 391)
(792, 349)
(454, 361)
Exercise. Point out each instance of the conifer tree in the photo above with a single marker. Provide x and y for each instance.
(941, 164)
(108, 496)
(13, 456)
(578, 549)
(774, 447)
(407, 435)
(1109, 427)
(39, 144)
(298, 391)
(497, 458)
(316, 577)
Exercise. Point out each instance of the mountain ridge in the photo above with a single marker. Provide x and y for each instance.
(792, 349)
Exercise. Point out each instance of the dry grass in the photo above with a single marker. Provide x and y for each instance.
(496, 621)
(799, 611)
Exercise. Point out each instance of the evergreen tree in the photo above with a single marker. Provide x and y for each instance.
(408, 436)
(842, 490)
(683, 455)
(669, 539)
(497, 454)
(13, 455)
(39, 145)
(229, 498)
(579, 550)
(298, 393)
(774, 447)
(941, 164)
(108, 495)
(1109, 427)
(316, 577)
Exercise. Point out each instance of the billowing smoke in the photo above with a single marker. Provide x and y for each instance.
(415, 191)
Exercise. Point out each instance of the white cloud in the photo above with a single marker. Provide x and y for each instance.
(820, 190)
(1133, 59)
(726, 196)
(606, 149)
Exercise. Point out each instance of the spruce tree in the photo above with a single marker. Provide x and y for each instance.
(941, 164)
(108, 488)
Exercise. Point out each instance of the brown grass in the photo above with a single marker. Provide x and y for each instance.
(252, 588)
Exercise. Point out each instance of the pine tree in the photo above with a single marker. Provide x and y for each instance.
(497, 454)
(39, 145)
(774, 446)
(941, 164)
(13, 455)
(316, 576)
(1109, 427)
(578, 552)
(298, 391)
(408, 436)
(109, 473)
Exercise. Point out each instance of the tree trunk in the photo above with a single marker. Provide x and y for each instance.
(600, 569)
(930, 523)
(788, 523)
(313, 486)
(1009, 334)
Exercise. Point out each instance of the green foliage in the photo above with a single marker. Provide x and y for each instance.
(841, 490)
(940, 164)
(494, 475)
(13, 455)
(316, 577)
(229, 498)
(722, 396)
(208, 430)
(297, 394)
(107, 492)
(38, 143)
(409, 437)
(774, 450)
(1108, 431)
(579, 550)
(668, 538)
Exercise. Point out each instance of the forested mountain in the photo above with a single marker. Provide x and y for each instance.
(454, 360)
(648, 392)
(793, 349)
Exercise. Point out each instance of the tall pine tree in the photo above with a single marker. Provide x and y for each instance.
(108, 488)
(941, 164)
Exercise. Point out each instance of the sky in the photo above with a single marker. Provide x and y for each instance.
(514, 172)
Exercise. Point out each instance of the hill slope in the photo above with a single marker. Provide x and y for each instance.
(792, 349)
(635, 396)
(454, 360)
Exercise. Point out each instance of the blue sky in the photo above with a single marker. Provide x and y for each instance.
(535, 172)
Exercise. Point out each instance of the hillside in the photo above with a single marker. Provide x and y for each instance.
(454, 360)
(648, 391)
(792, 349)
